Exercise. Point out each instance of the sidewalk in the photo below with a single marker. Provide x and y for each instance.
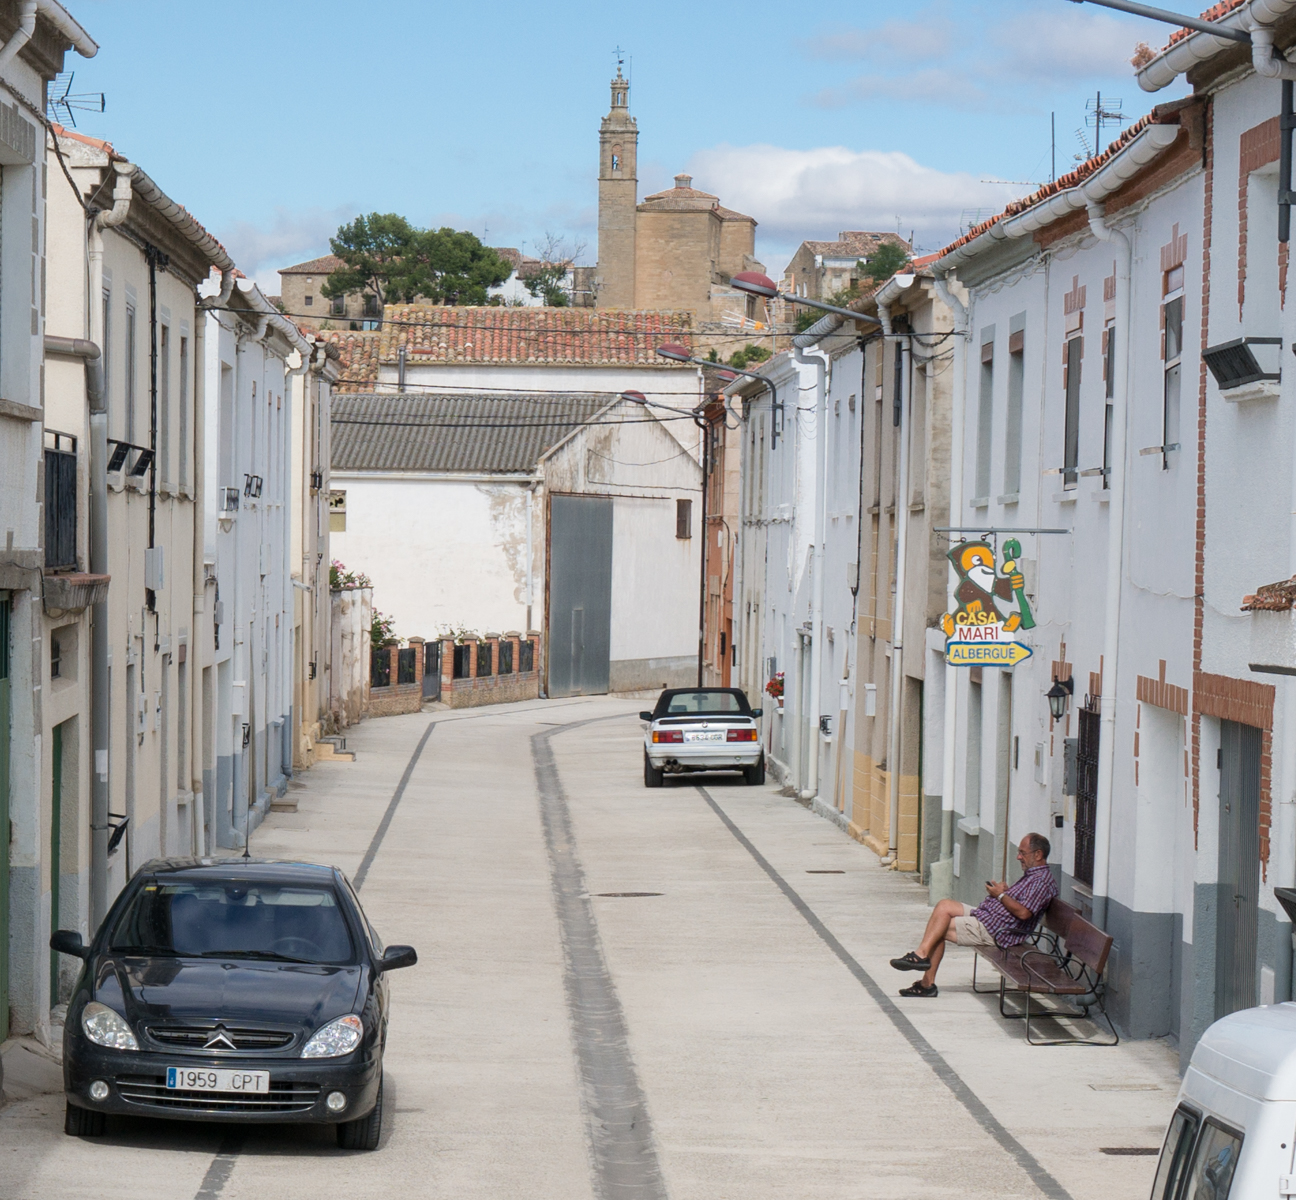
(1069, 1106)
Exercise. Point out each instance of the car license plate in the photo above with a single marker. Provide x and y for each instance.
(199, 1079)
(715, 735)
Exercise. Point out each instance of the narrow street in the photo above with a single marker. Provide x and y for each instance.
(702, 968)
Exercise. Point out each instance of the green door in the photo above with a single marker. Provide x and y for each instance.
(4, 817)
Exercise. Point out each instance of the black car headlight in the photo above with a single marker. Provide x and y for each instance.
(105, 1027)
(336, 1038)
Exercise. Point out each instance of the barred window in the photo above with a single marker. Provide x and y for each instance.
(683, 518)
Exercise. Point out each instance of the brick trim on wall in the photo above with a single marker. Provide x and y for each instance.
(1199, 551)
(1247, 703)
(1160, 694)
(1257, 147)
(1231, 699)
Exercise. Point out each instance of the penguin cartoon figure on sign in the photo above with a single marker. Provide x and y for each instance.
(981, 589)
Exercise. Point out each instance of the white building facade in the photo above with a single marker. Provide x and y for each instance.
(249, 540)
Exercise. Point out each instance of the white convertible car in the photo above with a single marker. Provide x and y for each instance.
(702, 729)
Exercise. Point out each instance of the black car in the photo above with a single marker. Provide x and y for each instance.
(231, 990)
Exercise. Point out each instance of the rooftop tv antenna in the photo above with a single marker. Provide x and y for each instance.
(1097, 112)
(63, 102)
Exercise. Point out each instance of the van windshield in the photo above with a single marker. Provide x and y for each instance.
(235, 919)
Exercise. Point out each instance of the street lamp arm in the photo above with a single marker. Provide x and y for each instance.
(756, 284)
(1172, 18)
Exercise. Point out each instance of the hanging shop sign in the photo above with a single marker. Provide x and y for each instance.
(991, 611)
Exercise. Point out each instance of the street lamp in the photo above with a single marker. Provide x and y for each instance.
(1058, 695)
(678, 353)
(756, 284)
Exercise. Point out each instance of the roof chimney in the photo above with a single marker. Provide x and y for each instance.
(683, 181)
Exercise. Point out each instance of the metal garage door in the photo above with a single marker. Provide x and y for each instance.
(1239, 868)
(579, 613)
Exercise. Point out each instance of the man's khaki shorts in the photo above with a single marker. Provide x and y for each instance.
(968, 931)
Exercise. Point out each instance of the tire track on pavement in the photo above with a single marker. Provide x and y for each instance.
(974, 1105)
(222, 1166)
(623, 1151)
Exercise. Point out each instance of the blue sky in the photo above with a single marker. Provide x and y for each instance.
(275, 121)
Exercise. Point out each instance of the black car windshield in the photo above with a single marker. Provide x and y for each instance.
(235, 919)
(683, 703)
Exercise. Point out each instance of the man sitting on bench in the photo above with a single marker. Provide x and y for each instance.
(1006, 917)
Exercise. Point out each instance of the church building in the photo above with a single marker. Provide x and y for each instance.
(678, 249)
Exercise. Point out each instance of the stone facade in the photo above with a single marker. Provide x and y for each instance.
(304, 300)
(678, 249)
(618, 192)
(818, 270)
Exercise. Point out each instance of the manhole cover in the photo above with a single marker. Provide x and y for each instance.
(825, 872)
(626, 895)
(1130, 1149)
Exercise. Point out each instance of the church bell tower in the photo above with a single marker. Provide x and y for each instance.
(617, 200)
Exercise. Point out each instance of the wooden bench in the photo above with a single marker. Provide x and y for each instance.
(1064, 958)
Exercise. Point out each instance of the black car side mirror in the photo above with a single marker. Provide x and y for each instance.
(756, 712)
(395, 957)
(646, 716)
(68, 941)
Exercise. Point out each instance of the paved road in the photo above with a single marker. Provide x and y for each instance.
(732, 1035)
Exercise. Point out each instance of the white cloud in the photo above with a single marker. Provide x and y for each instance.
(934, 85)
(291, 237)
(800, 194)
(1069, 44)
(905, 40)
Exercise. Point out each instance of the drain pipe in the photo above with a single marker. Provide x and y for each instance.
(903, 387)
(100, 712)
(21, 35)
(820, 360)
(1115, 561)
(200, 636)
(942, 874)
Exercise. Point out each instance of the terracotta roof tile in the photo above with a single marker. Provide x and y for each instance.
(357, 353)
(316, 266)
(1272, 597)
(1063, 183)
(593, 336)
(1214, 13)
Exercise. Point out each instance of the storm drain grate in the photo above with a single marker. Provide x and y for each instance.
(1129, 1149)
(626, 895)
(825, 872)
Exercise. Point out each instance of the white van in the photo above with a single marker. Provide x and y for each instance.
(1234, 1130)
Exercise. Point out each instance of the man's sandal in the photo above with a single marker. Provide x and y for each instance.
(911, 962)
(928, 991)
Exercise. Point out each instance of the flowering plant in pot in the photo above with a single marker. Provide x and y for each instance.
(775, 686)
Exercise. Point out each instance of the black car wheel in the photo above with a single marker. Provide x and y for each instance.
(364, 1133)
(652, 775)
(755, 774)
(82, 1122)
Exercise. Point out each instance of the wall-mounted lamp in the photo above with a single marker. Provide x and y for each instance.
(1058, 696)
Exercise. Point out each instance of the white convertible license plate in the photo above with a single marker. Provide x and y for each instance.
(198, 1079)
(716, 735)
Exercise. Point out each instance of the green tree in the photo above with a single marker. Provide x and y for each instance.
(749, 356)
(884, 262)
(398, 262)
